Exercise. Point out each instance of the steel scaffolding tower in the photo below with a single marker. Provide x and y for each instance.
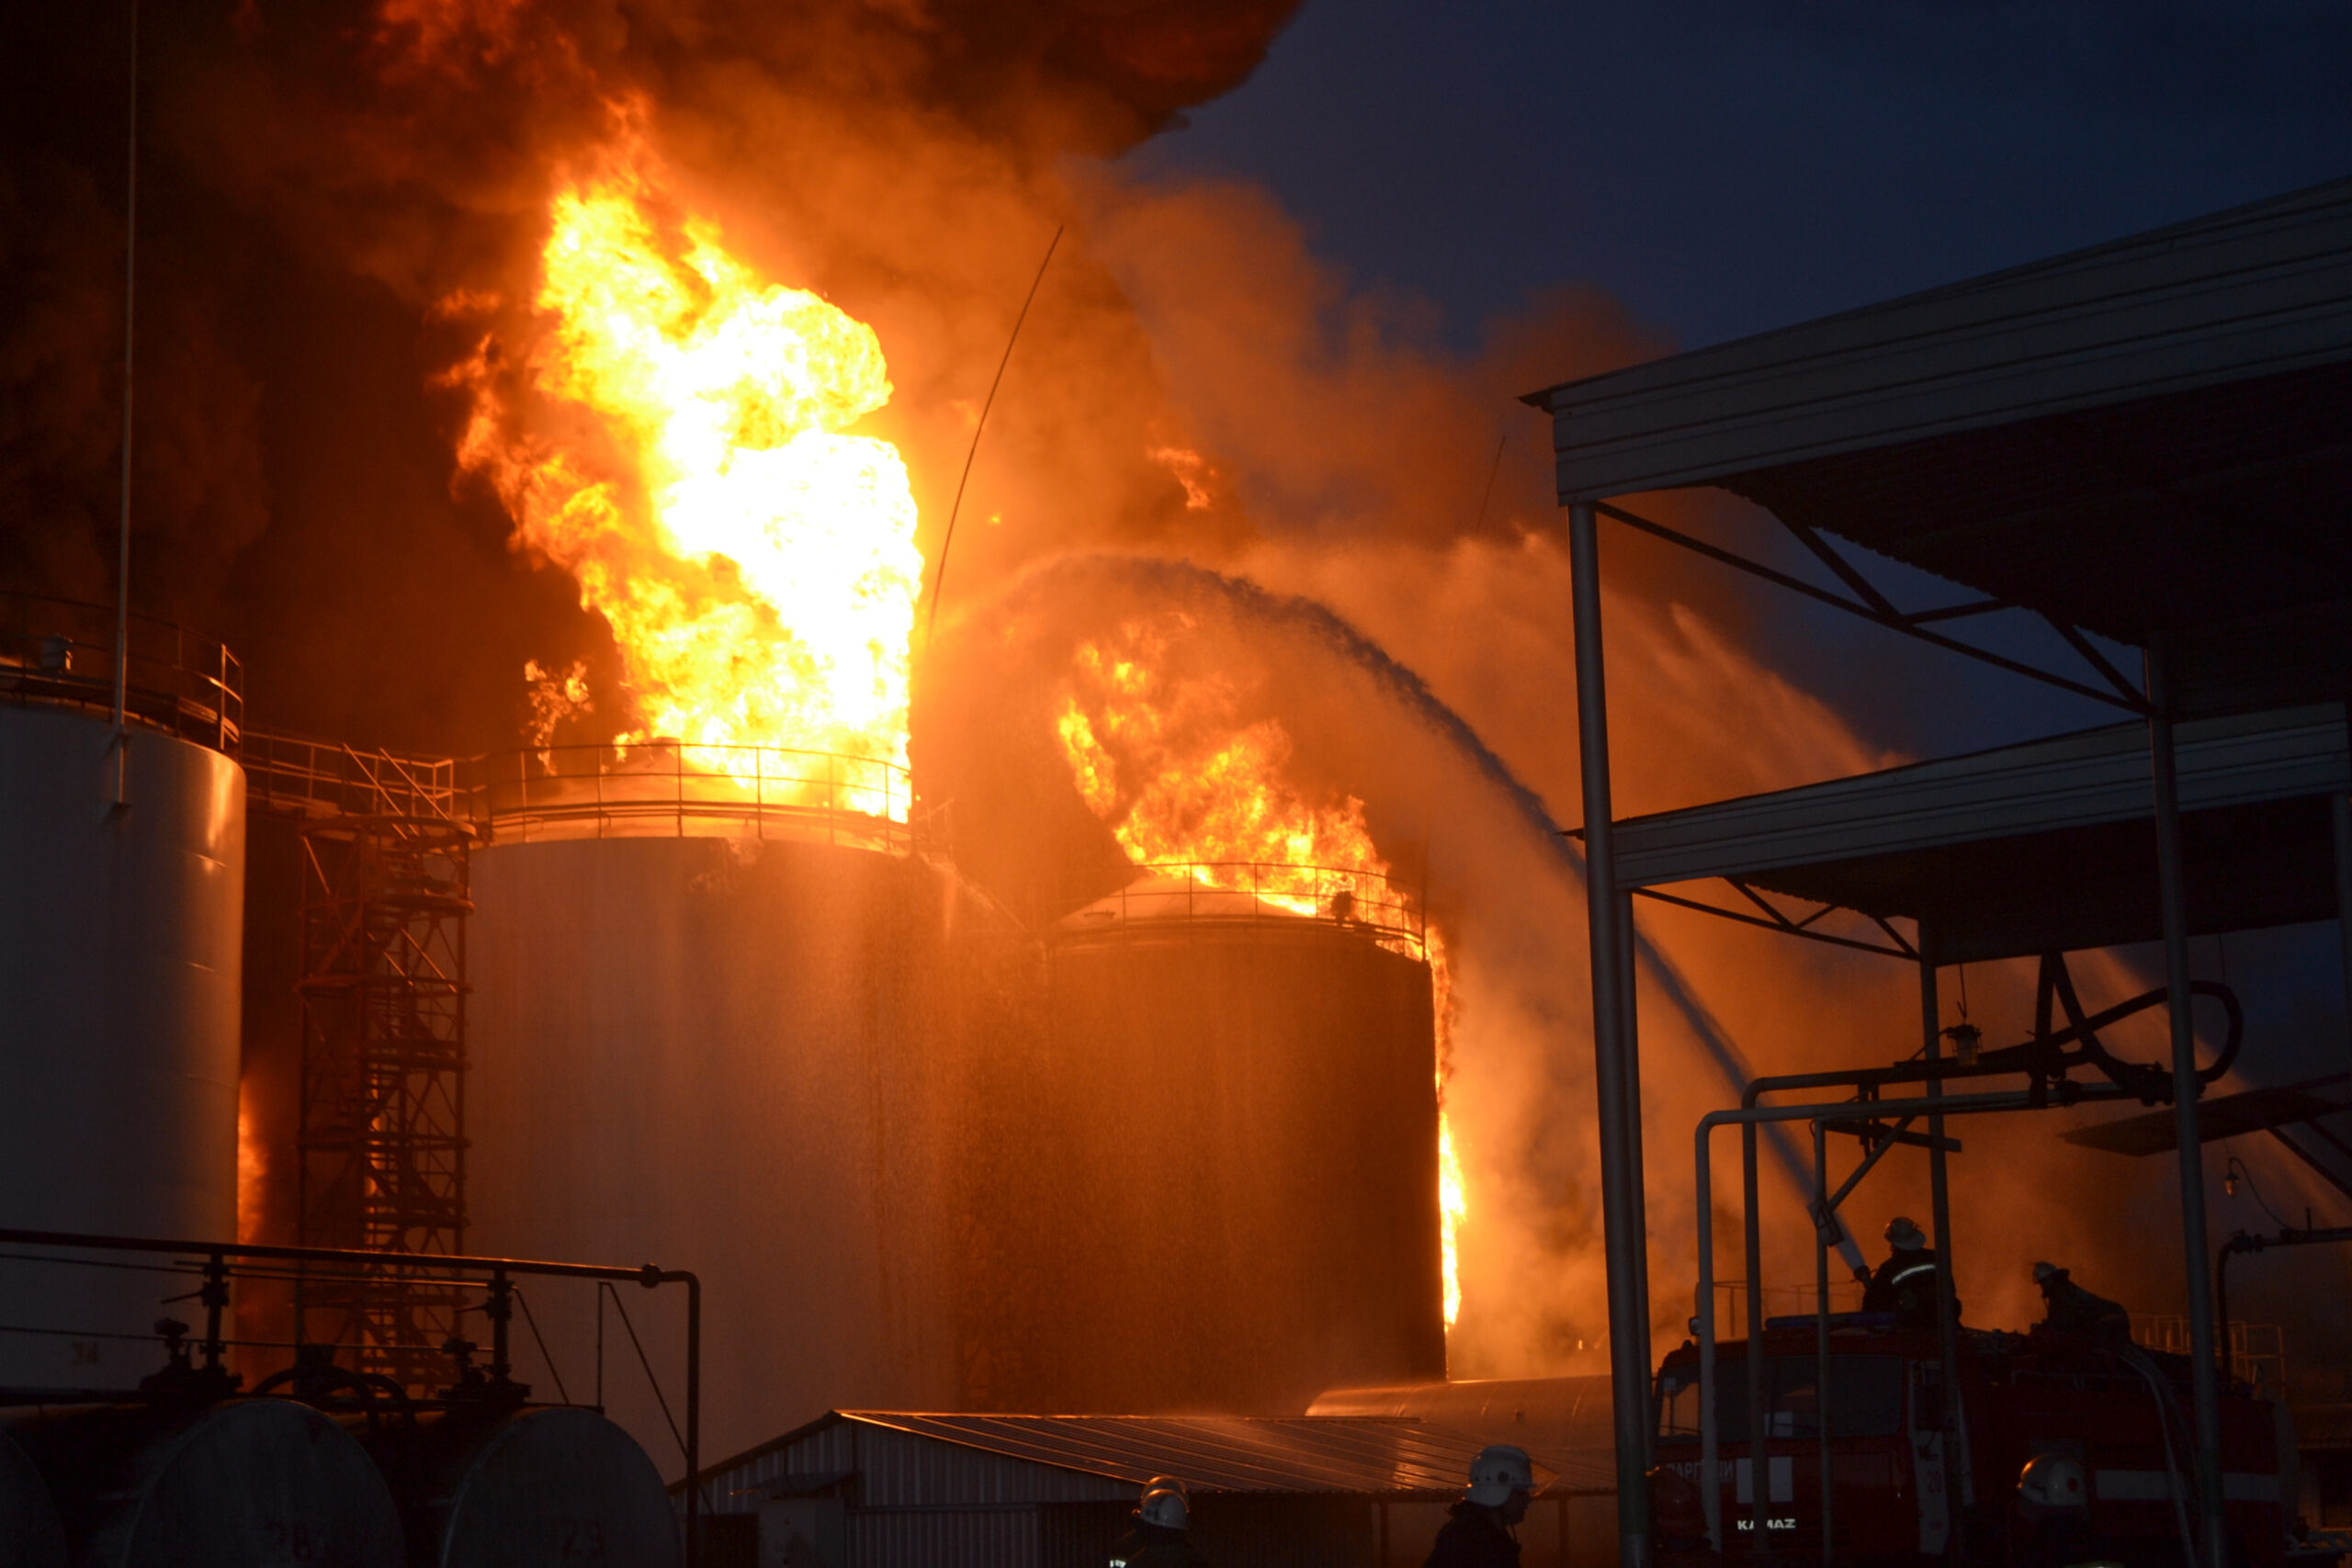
(383, 1142)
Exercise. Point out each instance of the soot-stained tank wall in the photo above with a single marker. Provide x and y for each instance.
(119, 953)
(1215, 1183)
(721, 1056)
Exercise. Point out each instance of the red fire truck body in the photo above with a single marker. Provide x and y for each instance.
(2121, 1415)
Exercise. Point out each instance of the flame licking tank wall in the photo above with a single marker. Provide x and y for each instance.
(719, 1054)
(1231, 1200)
(119, 998)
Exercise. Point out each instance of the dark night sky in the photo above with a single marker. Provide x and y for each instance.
(1726, 169)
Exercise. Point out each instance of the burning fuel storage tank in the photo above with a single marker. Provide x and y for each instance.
(122, 853)
(1222, 1195)
(711, 1027)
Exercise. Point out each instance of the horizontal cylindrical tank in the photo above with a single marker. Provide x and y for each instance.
(719, 1054)
(247, 1482)
(534, 1488)
(1216, 1186)
(31, 1535)
(119, 953)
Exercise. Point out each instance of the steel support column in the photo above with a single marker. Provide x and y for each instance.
(2339, 816)
(1625, 1247)
(1824, 1418)
(1759, 1504)
(2172, 893)
(1959, 1479)
(1630, 1002)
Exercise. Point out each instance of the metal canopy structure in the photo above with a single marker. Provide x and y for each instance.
(2040, 848)
(2152, 436)
(2149, 443)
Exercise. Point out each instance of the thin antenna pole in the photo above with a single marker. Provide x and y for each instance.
(939, 578)
(129, 296)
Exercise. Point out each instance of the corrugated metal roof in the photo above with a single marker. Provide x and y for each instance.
(1299, 1454)
(2146, 440)
(1218, 1453)
(2039, 847)
(2259, 290)
(2071, 781)
(1567, 1423)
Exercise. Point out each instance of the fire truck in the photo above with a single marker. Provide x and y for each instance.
(1902, 1489)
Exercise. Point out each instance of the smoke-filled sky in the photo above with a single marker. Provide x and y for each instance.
(1280, 346)
(1723, 169)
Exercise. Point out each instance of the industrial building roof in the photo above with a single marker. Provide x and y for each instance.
(2048, 845)
(1299, 1454)
(1566, 1422)
(2148, 437)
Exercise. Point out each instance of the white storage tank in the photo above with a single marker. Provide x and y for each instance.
(704, 1033)
(532, 1488)
(231, 1486)
(31, 1535)
(119, 955)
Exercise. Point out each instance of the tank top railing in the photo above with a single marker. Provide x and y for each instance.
(1166, 896)
(667, 789)
(61, 653)
(295, 776)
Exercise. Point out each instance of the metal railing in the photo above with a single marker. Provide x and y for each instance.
(1168, 895)
(61, 653)
(295, 776)
(197, 1368)
(665, 789)
(2257, 1351)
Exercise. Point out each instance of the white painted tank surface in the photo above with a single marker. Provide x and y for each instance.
(31, 1535)
(723, 1055)
(120, 956)
(536, 1488)
(247, 1483)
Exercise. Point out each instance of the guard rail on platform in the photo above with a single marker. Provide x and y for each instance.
(667, 789)
(295, 776)
(1169, 896)
(61, 653)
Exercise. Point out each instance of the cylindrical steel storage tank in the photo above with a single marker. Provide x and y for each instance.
(244, 1482)
(715, 1053)
(31, 1535)
(1228, 1200)
(536, 1488)
(119, 953)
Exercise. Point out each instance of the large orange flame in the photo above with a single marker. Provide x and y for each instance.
(685, 457)
(1203, 790)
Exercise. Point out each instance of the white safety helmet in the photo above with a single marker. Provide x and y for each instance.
(1905, 1237)
(2051, 1483)
(1498, 1471)
(1163, 1504)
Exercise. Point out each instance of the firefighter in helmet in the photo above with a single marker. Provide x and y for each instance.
(1483, 1532)
(2070, 1309)
(2054, 1516)
(1160, 1539)
(1905, 1284)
